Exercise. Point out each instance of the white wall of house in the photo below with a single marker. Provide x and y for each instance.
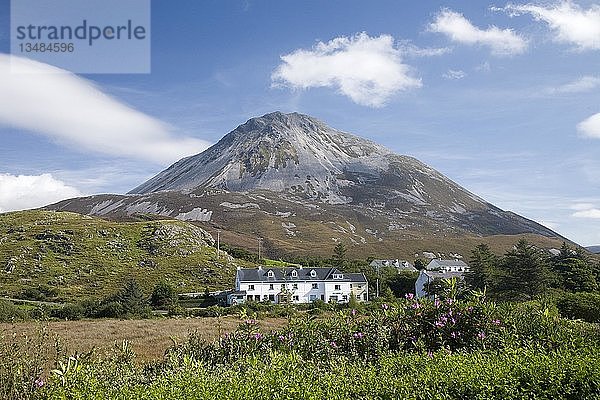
(421, 284)
(304, 291)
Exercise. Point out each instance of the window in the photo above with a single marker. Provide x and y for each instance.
(323, 297)
(313, 273)
(271, 286)
(315, 285)
(296, 298)
(283, 286)
(295, 286)
(365, 297)
(350, 286)
(250, 287)
(312, 297)
(272, 297)
(337, 287)
(338, 276)
(294, 274)
(257, 297)
(271, 274)
(249, 297)
(345, 297)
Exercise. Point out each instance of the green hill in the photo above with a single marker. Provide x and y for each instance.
(62, 256)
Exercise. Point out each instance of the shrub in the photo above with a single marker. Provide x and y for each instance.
(11, 313)
(163, 296)
(585, 306)
(70, 312)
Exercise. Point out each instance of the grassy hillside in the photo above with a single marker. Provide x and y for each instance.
(65, 256)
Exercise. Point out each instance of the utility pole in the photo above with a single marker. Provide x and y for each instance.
(218, 244)
(377, 280)
(259, 248)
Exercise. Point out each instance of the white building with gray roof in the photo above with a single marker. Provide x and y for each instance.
(297, 285)
(439, 270)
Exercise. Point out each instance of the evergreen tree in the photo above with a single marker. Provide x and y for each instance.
(339, 255)
(482, 268)
(163, 295)
(574, 269)
(525, 271)
(132, 299)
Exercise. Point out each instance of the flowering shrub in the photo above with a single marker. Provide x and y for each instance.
(407, 325)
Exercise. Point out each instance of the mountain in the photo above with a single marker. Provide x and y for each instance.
(297, 182)
(593, 249)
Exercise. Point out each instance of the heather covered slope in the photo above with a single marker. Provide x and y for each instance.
(67, 256)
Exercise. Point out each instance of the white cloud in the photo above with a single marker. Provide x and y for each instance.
(570, 23)
(585, 210)
(502, 42)
(368, 70)
(73, 111)
(454, 74)
(590, 127)
(581, 206)
(581, 85)
(31, 191)
(411, 50)
(593, 213)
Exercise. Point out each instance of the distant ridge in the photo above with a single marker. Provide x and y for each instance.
(594, 249)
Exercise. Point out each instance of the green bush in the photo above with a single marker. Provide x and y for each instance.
(70, 312)
(583, 305)
(11, 313)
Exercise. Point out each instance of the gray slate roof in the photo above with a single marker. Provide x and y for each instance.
(285, 275)
(434, 264)
(403, 265)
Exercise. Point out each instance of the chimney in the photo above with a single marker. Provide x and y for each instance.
(260, 267)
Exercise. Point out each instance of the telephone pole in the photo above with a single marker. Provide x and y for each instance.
(218, 244)
(259, 248)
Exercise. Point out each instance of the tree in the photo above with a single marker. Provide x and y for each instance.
(574, 269)
(339, 255)
(482, 265)
(525, 271)
(420, 263)
(132, 299)
(163, 296)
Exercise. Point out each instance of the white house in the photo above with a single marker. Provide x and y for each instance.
(297, 285)
(438, 270)
(400, 265)
(427, 277)
(447, 265)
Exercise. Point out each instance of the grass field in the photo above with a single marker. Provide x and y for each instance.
(149, 338)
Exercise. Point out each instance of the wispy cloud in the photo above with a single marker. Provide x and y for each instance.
(586, 210)
(590, 127)
(412, 50)
(502, 42)
(368, 70)
(73, 111)
(31, 191)
(570, 22)
(455, 75)
(581, 85)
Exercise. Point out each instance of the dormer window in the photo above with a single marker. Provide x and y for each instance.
(338, 276)
(313, 273)
(271, 274)
(294, 274)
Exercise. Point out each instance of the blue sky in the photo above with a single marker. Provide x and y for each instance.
(503, 98)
